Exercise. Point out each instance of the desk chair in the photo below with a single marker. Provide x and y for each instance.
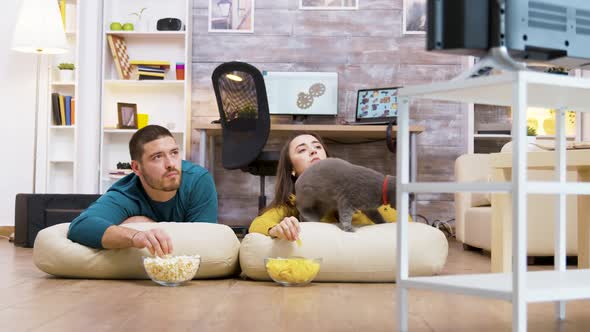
(245, 121)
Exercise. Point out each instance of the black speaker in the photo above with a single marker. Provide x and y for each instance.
(169, 24)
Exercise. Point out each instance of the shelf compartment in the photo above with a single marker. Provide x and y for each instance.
(62, 127)
(62, 162)
(542, 286)
(117, 83)
(60, 178)
(151, 34)
(64, 84)
(61, 144)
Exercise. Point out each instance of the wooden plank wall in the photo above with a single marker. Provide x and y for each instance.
(367, 49)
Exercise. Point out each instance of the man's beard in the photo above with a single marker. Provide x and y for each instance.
(159, 184)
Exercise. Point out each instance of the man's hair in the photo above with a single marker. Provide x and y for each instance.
(143, 136)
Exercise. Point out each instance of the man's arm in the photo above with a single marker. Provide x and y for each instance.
(203, 200)
(155, 240)
(110, 209)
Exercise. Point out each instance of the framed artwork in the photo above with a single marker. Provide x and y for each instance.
(414, 17)
(127, 116)
(328, 4)
(302, 93)
(231, 16)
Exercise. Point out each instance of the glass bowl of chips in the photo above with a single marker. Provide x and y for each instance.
(171, 270)
(294, 271)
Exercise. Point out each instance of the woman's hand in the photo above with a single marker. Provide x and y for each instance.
(288, 229)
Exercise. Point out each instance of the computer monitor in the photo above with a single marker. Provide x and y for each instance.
(302, 93)
(376, 105)
(548, 31)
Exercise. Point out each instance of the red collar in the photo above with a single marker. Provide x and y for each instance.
(384, 191)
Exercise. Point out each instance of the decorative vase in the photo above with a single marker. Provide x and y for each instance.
(143, 25)
(66, 75)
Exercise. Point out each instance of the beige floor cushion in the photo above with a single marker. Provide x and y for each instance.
(217, 244)
(367, 255)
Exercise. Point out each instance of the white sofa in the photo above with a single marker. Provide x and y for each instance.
(473, 211)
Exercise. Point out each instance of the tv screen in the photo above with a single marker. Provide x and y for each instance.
(302, 93)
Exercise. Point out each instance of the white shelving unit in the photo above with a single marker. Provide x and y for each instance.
(59, 172)
(166, 102)
(519, 90)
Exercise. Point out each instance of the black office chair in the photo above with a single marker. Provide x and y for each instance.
(245, 121)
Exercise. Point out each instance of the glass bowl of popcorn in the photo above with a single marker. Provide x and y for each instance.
(171, 270)
(294, 271)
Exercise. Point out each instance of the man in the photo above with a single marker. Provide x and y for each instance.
(162, 187)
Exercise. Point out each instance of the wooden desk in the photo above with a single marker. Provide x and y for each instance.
(208, 132)
(578, 160)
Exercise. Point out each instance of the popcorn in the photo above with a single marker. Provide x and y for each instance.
(172, 268)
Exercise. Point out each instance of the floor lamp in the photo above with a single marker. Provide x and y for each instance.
(39, 30)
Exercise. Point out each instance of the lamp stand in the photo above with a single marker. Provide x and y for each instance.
(36, 122)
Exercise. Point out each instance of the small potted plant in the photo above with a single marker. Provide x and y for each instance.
(142, 22)
(66, 71)
(531, 133)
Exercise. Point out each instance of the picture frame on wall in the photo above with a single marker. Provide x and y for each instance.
(234, 16)
(414, 17)
(127, 115)
(329, 4)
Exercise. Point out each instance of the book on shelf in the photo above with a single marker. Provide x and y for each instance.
(63, 110)
(151, 69)
(55, 108)
(150, 63)
(68, 105)
(62, 11)
(142, 75)
(73, 107)
(119, 173)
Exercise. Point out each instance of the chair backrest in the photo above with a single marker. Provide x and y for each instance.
(243, 110)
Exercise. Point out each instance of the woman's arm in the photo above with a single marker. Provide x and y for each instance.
(270, 218)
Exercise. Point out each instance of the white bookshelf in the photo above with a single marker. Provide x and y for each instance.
(59, 173)
(520, 287)
(166, 102)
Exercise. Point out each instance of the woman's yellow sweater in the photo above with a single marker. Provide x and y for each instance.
(273, 216)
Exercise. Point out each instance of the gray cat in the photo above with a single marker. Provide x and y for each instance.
(336, 185)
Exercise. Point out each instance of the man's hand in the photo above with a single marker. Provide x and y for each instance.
(155, 240)
(136, 219)
(287, 229)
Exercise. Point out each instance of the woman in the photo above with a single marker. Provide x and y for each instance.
(279, 220)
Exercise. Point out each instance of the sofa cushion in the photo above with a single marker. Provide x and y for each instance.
(217, 245)
(366, 255)
(482, 199)
(478, 229)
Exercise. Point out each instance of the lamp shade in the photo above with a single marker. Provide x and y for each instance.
(39, 28)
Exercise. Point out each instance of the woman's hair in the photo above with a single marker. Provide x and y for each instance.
(285, 183)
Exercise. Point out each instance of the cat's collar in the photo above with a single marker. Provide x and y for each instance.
(384, 190)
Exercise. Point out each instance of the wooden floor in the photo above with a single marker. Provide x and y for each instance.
(31, 300)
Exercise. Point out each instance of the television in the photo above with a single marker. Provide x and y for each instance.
(555, 32)
(302, 93)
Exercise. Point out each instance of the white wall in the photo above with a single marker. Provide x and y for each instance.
(17, 93)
